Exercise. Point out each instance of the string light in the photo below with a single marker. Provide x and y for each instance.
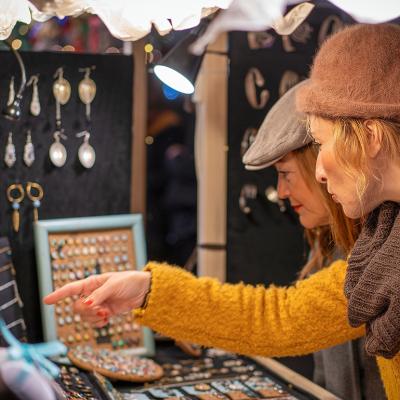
(23, 30)
(149, 140)
(16, 44)
(112, 50)
(68, 47)
(148, 48)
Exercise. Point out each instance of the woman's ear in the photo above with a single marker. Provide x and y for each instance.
(374, 138)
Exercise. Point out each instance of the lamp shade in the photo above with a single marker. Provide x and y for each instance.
(179, 67)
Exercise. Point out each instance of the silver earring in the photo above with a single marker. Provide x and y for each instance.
(11, 92)
(87, 90)
(9, 156)
(29, 150)
(86, 153)
(34, 107)
(61, 92)
(58, 152)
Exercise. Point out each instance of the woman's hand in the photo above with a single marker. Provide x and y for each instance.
(105, 295)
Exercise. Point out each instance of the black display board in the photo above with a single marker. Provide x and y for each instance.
(70, 191)
(266, 246)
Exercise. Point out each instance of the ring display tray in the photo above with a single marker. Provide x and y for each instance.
(71, 249)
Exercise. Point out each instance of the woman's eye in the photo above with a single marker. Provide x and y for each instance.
(284, 175)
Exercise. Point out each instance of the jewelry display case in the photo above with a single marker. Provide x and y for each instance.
(216, 375)
(71, 249)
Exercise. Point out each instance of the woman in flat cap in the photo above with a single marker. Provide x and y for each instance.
(304, 318)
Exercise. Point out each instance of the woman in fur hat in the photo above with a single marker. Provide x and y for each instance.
(355, 120)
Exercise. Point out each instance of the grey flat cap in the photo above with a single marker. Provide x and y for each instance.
(282, 131)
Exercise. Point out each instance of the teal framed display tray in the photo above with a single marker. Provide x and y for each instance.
(74, 248)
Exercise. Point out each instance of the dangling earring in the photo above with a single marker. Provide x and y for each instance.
(15, 203)
(58, 152)
(29, 150)
(87, 90)
(86, 153)
(9, 156)
(61, 92)
(35, 198)
(34, 107)
(11, 92)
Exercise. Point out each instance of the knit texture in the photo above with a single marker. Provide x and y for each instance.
(373, 281)
(355, 74)
(274, 321)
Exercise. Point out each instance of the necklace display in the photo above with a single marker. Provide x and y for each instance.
(77, 255)
(115, 364)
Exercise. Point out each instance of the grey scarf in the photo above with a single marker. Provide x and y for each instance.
(372, 284)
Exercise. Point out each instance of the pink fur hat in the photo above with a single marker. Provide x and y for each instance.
(356, 73)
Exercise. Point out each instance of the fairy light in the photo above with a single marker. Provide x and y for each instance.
(149, 140)
(16, 44)
(112, 50)
(68, 47)
(148, 48)
(23, 30)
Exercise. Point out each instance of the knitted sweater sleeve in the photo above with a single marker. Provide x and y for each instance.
(274, 321)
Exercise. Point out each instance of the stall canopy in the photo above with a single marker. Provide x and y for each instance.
(133, 19)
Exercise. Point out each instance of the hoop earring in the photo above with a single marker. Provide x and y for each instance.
(35, 198)
(15, 203)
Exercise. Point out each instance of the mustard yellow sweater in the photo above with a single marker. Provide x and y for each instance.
(275, 321)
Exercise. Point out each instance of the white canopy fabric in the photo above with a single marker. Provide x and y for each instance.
(132, 19)
(127, 20)
(259, 15)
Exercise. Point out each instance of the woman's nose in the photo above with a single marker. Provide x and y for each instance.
(320, 171)
(282, 189)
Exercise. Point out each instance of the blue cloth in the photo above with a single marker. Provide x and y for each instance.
(33, 354)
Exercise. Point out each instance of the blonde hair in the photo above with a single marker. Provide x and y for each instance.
(342, 232)
(351, 140)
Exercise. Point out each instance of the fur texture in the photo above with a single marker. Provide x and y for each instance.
(356, 73)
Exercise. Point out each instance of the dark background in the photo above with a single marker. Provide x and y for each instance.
(266, 246)
(70, 191)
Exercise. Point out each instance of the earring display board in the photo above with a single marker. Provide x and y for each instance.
(71, 249)
(70, 191)
(265, 243)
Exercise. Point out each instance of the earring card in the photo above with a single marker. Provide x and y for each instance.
(72, 249)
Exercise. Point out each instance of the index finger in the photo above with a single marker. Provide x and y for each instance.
(84, 286)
